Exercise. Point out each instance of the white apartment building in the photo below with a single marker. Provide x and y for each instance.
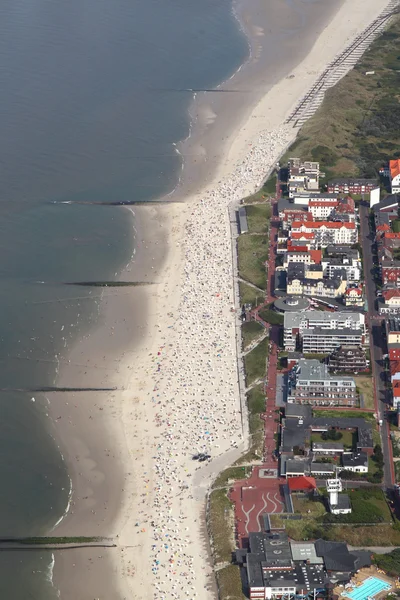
(315, 324)
(332, 267)
(327, 232)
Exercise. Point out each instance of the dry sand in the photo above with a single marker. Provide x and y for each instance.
(178, 388)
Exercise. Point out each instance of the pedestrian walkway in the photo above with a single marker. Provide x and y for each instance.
(253, 498)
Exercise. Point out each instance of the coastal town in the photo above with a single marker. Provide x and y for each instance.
(315, 511)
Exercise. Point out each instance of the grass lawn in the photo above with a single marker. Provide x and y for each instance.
(250, 331)
(256, 406)
(319, 357)
(258, 216)
(397, 469)
(345, 413)
(311, 508)
(366, 388)
(252, 254)
(270, 316)
(248, 295)
(221, 524)
(348, 439)
(367, 503)
(396, 225)
(255, 362)
(229, 583)
(352, 134)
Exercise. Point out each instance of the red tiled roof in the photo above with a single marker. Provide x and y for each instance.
(389, 294)
(384, 227)
(321, 203)
(301, 483)
(316, 256)
(394, 367)
(394, 166)
(327, 224)
(396, 388)
(303, 234)
(291, 248)
(391, 236)
(357, 290)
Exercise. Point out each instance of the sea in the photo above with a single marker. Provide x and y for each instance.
(94, 98)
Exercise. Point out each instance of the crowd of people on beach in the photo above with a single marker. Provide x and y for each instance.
(195, 394)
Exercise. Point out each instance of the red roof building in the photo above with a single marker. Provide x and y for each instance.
(301, 484)
(394, 167)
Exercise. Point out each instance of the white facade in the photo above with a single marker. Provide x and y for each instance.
(322, 210)
(351, 266)
(329, 233)
(396, 184)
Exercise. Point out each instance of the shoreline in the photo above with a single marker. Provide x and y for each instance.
(199, 253)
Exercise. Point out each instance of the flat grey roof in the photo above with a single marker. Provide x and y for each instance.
(322, 467)
(293, 320)
(243, 220)
(298, 410)
(296, 466)
(305, 551)
(328, 446)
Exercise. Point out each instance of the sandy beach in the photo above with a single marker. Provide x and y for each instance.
(177, 389)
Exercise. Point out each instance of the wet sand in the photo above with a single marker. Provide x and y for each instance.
(170, 348)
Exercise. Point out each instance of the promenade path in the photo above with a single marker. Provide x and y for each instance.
(253, 498)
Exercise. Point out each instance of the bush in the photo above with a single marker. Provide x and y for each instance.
(389, 562)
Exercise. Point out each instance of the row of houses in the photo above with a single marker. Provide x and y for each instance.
(311, 222)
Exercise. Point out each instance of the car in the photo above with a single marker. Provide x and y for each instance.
(204, 457)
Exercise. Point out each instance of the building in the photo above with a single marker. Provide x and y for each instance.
(242, 219)
(393, 330)
(296, 430)
(302, 484)
(327, 232)
(389, 205)
(353, 295)
(322, 341)
(321, 288)
(394, 174)
(322, 209)
(310, 383)
(308, 257)
(396, 392)
(390, 272)
(273, 571)
(389, 303)
(357, 462)
(394, 352)
(303, 176)
(351, 186)
(333, 265)
(348, 358)
(339, 504)
(314, 321)
(327, 448)
(291, 304)
(308, 280)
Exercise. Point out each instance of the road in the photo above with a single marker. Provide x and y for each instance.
(377, 343)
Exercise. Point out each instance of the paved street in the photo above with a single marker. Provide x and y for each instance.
(377, 343)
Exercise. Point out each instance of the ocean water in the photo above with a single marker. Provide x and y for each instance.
(93, 97)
